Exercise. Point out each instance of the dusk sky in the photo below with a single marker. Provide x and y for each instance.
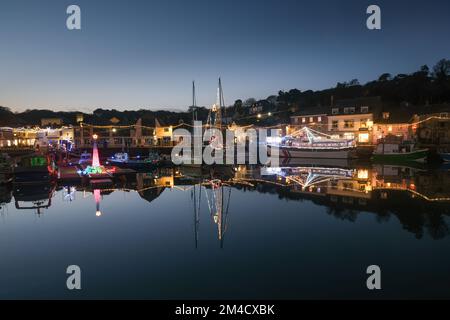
(145, 54)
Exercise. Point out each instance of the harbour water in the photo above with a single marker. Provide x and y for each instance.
(299, 231)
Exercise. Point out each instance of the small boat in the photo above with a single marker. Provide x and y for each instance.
(445, 156)
(5, 168)
(308, 143)
(85, 158)
(122, 159)
(34, 169)
(398, 152)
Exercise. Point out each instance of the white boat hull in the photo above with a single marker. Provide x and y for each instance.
(289, 152)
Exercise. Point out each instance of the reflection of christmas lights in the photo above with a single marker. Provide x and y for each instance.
(97, 197)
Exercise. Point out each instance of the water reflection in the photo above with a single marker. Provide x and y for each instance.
(418, 197)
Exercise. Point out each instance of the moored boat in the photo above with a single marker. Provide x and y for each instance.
(398, 152)
(34, 169)
(5, 168)
(445, 156)
(308, 143)
(85, 158)
(122, 159)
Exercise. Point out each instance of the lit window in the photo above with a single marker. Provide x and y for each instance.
(363, 174)
(349, 124)
(303, 120)
(319, 119)
(363, 138)
(386, 115)
(335, 110)
(311, 119)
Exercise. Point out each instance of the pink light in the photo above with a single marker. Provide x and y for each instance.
(95, 157)
(97, 197)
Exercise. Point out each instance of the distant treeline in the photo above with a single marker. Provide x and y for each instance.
(420, 88)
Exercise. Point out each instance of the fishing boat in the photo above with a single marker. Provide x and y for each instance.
(308, 143)
(34, 169)
(5, 168)
(122, 159)
(394, 150)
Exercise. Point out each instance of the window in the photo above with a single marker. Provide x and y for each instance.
(364, 109)
(319, 119)
(335, 111)
(364, 123)
(166, 129)
(385, 115)
(303, 120)
(349, 124)
(311, 119)
(349, 110)
(363, 138)
(335, 124)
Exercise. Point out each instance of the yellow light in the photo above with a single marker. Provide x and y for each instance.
(363, 174)
(98, 213)
(390, 128)
(259, 115)
(114, 130)
(269, 114)
(95, 137)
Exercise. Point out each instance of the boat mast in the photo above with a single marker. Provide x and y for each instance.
(194, 104)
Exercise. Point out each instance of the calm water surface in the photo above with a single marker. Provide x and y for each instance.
(295, 232)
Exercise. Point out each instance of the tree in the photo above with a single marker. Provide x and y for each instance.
(237, 106)
(442, 70)
(425, 69)
(249, 102)
(385, 77)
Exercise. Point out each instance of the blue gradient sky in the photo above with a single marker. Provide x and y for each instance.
(144, 54)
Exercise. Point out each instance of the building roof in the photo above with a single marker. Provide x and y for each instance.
(312, 111)
(358, 102)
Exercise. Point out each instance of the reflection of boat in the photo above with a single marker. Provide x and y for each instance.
(122, 159)
(39, 195)
(308, 143)
(33, 169)
(396, 151)
(5, 168)
(5, 194)
(307, 176)
(321, 162)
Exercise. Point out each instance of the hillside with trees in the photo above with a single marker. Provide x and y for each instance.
(426, 86)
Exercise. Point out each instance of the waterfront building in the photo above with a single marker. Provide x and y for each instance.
(121, 134)
(24, 137)
(56, 138)
(51, 122)
(433, 127)
(392, 123)
(6, 137)
(353, 119)
(314, 118)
